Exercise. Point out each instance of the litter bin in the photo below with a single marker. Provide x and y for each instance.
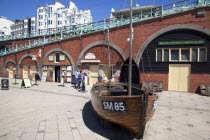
(4, 84)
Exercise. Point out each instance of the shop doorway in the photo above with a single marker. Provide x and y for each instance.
(179, 75)
(25, 71)
(57, 74)
(11, 72)
(32, 71)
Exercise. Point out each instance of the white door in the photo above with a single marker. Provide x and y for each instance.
(179, 75)
(25, 71)
(11, 72)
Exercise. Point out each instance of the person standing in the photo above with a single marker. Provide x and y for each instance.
(84, 74)
(37, 77)
(79, 79)
(76, 76)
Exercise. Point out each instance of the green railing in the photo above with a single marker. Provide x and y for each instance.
(67, 32)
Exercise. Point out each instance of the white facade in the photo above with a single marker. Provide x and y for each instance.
(5, 24)
(17, 28)
(33, 25)
(57, 16)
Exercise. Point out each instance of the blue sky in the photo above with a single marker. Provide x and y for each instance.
(100, 9)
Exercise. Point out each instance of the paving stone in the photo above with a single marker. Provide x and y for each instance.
(49, 111)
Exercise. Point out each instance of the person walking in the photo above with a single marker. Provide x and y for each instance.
(37, 77)
(76, 76)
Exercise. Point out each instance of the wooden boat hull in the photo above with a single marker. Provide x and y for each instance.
(151, 106)
(132, 118)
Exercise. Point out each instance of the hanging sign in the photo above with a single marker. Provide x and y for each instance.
(90, 56)
(26, 83)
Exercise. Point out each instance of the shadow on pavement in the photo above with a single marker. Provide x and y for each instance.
(92, 121)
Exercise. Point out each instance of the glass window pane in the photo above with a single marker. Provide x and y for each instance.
(185, 54)
(202, 54)
(174, 54)
(166, 55)
(159, 55)
(57, 57)
(194, 55)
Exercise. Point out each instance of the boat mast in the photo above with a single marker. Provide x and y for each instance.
(109, 69)
(130, 52)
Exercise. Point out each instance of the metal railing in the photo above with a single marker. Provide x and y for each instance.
(68, 32)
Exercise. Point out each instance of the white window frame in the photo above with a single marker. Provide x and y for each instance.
(180, 54)
(170, 55)
(180, 57)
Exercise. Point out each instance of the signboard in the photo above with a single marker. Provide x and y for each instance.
(26, 83)
(68, 80)
(63, 67)
(114, 106)
(68, 74)
(90, 56)
(4, 84)
(68, 67)
(51, 57)
(186, 42)
(62, 57)
(44, 76)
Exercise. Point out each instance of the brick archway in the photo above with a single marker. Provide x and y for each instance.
(28, 55)
(167, 29)
(118, 49)
(60, 50)
(12, 61)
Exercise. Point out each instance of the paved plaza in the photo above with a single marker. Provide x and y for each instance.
(52, 112)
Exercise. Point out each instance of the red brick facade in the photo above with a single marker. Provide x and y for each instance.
(118, 36)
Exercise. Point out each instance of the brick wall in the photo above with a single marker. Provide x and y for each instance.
(198, 79)
(101, 53)
(155, 77)
(118, 36)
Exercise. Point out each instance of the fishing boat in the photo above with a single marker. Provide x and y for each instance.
(112, 102)
(123, 102)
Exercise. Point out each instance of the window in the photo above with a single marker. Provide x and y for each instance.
(159, 55)
(166, 55)
(194, 55)
(40, 10)
(202, 54)
(50, 22)
(57, 57)
(49, 14)
(59, 15)
(73, 20)
(174, 55)
(185, 54)
(59, 22)
(50, 9)
(40, 16)
(181, 54)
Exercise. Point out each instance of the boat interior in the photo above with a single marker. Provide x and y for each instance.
(115, 90)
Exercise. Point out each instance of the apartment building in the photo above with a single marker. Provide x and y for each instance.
(56, 16)
(5, 29)
(17, 28)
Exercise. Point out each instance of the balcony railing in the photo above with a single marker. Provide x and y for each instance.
(67, 32)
